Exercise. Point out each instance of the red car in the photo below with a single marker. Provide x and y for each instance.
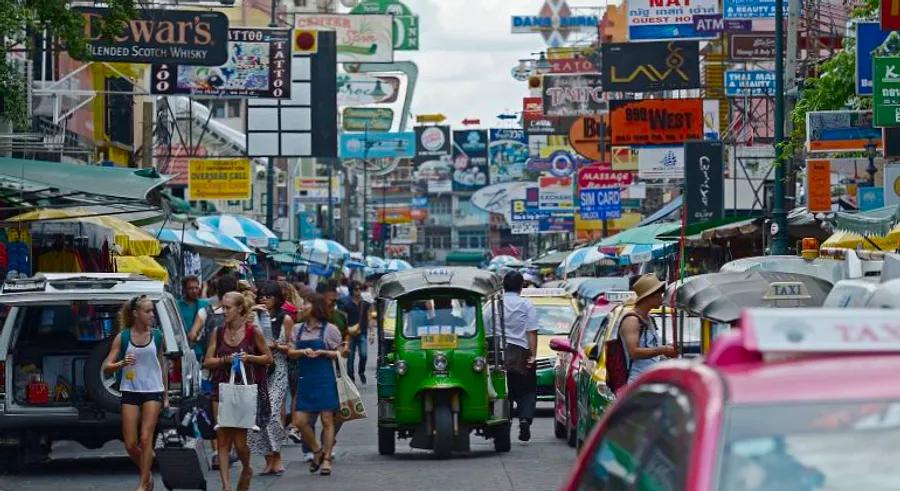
(570, 351)
(796, 399)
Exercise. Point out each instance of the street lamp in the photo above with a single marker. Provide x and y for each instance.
(542, 65)
(871, 153)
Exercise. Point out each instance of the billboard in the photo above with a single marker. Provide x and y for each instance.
(377, 145)
(749, 83)
(360, 38)
(433, 167)
(656, 121)
(586, 134)
(660, 162)
(600, 204)
(573, 95)
(652, 20)
(751, 9)
(358, 89)
(159, 36)
(259, 65)
(367, 118)
(556, 193)
(219, 179)
(840, 131)
(470, 160)
(750, 47)
(704, 174)
(648, 67)
(508, 152)
(818, 185)
(593, 177)
(869, 36)
(886, 96)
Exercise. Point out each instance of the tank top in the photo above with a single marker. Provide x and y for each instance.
(146, 373)
(648, 338)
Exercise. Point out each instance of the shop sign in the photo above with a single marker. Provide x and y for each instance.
(555, 22)
(555, 224)
(750, 47)
(886, 94)
(704, 181)
(661, 162)
(593, 177)
(360, 38)
(651, 20)
(624, 159)
(259, 65)
(432, 141)
(508, 153)
(357, 89)
(586, 134)
(187, 37)
(394, 214)
(869, 198)
(869, 36)
(840, 131)
(397, 251)
(573, 65)
(470, 160)
(657, 121)
(749, 83)
(532, 108)
(709, 24)
(377, 145)
(573, 95)
(818, 185)
(890, 15)
(226, 179)
(751, 9)
(892, 185)
(367, 118)
(520, 211)
(406, 25)
(649, 67)
(314, 190)
(524, 228)
(556, 193)
(600, 204)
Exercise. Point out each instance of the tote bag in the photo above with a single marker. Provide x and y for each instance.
(351, 403)
(237, 402)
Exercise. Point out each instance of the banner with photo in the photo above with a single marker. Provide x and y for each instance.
(259, 65)
(432, 165)
(470, 160)
(508, 153)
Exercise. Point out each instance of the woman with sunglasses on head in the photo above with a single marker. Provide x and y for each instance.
(136, 356)
(237, 339)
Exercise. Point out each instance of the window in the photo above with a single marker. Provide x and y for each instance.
(234, 108)
(646, 444)
(434, 242)
(592, 331)
(555, 319)
(217, 108)
(439, 207)
(472, 239)
(442, 315)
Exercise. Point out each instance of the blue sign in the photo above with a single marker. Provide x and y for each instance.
(869, 37)
(420, 202)
(602, 203)
(378, 145)
(709, 24)
(738, 25)
(556, 223)
(869, 198)
(749, 83)
(521, 212)
(751, 9)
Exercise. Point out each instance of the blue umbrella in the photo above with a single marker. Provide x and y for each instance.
(200, 238)
(581, 257)
(323, 251)
(397, 265)
(249, 231)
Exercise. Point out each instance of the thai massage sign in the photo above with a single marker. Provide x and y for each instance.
(657, 121)
(160, 36)
(573, 95)
(219, 179)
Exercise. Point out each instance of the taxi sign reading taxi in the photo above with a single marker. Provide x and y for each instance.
(820, 330)
(787, 290)
(543, 292)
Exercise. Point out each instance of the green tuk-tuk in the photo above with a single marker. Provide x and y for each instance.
(440, 366)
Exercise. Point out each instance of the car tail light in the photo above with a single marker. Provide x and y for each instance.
(175, 372)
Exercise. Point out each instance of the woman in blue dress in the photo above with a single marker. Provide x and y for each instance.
(315, 345)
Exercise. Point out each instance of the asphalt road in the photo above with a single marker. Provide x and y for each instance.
(537, 465)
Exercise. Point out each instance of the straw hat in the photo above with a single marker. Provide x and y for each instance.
(647, 285)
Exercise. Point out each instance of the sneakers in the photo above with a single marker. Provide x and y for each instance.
(308, 457)
(362, 378)
(524, 431)
(294, 435)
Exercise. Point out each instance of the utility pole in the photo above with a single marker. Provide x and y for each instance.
(270, 165)
(779, 215)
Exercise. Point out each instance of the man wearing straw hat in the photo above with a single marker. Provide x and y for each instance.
(638, 332)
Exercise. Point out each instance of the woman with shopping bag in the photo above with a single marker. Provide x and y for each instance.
(237, 352)
(316, 347)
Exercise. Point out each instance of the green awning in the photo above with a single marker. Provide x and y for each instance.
(695, 230)
(552, 259)
(120, 182)
(645, 235)
(459, 257)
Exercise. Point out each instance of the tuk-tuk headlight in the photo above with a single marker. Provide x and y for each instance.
(440, 362)
(401, 367)
(479, 364)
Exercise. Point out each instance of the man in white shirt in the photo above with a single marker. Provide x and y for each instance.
(521, 326)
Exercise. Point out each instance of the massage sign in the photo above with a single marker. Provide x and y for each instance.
(656, 121)
(160, 36)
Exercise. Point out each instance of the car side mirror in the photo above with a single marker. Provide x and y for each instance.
(593, 351)
(561, 344)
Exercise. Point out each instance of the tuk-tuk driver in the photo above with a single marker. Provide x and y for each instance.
(521, 326)
(443, 314)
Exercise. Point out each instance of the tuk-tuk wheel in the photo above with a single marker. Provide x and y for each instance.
(502, 442)
(386, 441)
(443, 426)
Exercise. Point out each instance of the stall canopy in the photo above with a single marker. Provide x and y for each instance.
(247, 230)
(645, 235)
(463, 257)
(120, 182)
(201, 239)
(583, 256)
(133, 240)
(144, 265)
(664, 212)
(550, 259)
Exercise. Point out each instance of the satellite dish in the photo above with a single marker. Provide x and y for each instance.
(349, 3)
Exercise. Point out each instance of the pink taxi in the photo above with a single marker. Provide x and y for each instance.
(796, 399)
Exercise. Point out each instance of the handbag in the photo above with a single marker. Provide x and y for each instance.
(237, 402)
(351, 403)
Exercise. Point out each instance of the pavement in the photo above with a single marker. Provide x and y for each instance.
(538, 465)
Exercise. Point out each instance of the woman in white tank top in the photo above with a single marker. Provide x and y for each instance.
(142, 381)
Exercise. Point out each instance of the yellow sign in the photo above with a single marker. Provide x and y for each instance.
(440, 341)
(628, 220)
(430, 118)
(219, 179)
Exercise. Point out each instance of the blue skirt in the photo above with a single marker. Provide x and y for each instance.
(316, 393)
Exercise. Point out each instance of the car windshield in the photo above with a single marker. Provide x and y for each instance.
(594, 323)
(555, 319)
(444, 315)
(812, 446)
(691, 328)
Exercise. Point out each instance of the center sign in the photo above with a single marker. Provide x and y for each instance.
(555, 22)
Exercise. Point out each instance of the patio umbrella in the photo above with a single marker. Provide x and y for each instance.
(397, 265)
(249, 231)
(356, 261)
(582, 257)
(208, 239)
(504, 262)
(323, 251)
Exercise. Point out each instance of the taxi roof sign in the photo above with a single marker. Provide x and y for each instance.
(544, 292)
(619, 296)
(787, 290)
(821, 330)
(438, 275)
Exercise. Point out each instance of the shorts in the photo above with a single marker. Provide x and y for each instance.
(139, 398)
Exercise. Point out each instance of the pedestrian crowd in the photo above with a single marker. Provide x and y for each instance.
(283, 337)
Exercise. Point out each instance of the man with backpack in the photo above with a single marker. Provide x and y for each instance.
(638, 336)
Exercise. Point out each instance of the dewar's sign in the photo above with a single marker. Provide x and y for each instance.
(160, 36)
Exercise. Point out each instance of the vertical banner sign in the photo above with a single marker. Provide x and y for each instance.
(219, 179)
(892, 185)
(886, 93)
(432, 164)
(890, 15)
(259, 65)
(470, 160)
(818, 185)
(508, 152)
(704, 174)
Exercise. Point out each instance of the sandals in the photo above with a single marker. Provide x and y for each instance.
(326, 469)
(318, 458)
(244, 482)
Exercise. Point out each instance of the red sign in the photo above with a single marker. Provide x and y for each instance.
(596, 177)
(572, 65)
(532, 108)
(890, 15)
(657, 121)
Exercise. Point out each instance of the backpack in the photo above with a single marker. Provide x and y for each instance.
(618, 366)
(126, 339)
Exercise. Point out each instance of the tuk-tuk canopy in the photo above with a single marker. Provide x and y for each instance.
(402, 283)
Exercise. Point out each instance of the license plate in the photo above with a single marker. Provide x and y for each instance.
(440, 341)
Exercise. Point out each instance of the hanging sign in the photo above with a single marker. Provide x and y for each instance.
(573, 95)
(660, 162)
(704, 173)
(377, 145)
(573, 65)
(532, 108)
(751, 9)
(470, 160)
(886, 93)
(750, 47)
(360, 38)
(653, 20)
(869, 36)
(586, 134)
(508, 153)
(839, 131)
(227, 179)
(656, 121)
(367, 118)
(648, 67)
(818, 185)
(406, 25)
(600, 203)
(749, 83)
